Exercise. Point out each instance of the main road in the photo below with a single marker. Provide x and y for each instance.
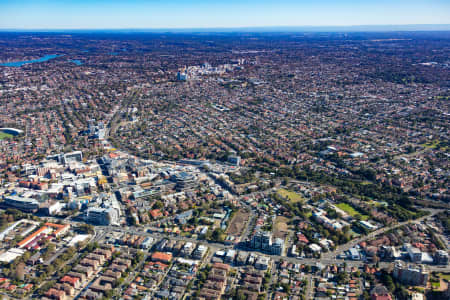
(373, 234)
(327, 259)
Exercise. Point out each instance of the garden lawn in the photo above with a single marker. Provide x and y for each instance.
(351, 211)
(290, 195)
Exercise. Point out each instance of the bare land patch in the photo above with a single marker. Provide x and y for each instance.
(280, 227)
(238, 222)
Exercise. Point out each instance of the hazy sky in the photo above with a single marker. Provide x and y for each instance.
(90, 14)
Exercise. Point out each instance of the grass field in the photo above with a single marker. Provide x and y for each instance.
(351, 211)
(5, 135)
(432, 144)
(435, 144)
(290, 195)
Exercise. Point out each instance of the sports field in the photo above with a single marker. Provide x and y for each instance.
(4, 135)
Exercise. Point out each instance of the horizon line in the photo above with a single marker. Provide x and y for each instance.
(296, 28)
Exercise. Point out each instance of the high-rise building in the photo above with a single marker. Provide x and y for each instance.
(102, 216)
(199, 252)
(277, 246)
(413, 275)
(104, 210)
(262, 263)
(414, 253)
(441, 257)
(262, 240)
(181, 76)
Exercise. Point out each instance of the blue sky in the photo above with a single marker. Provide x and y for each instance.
(97, 14)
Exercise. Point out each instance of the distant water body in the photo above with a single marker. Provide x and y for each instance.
(76, 61)
(24, 62)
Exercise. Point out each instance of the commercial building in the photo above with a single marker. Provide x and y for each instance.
(181, 76)
(11, 255)
(184, 181)
(353, 254)
(199, 252)
(65, 158)
(234, 160)
(441, 257)
(21, 203)
(52, 208)
(277, 247)
(102, 216)
(229, 256)
(162, 257)
(104, 210)
(413, 275)
(414, 253)
(187, 249)
(147, 243)
(262, 263)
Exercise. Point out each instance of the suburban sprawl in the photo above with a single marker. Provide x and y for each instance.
(225, 166)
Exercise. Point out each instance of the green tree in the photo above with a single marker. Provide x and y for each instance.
(217, 235)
